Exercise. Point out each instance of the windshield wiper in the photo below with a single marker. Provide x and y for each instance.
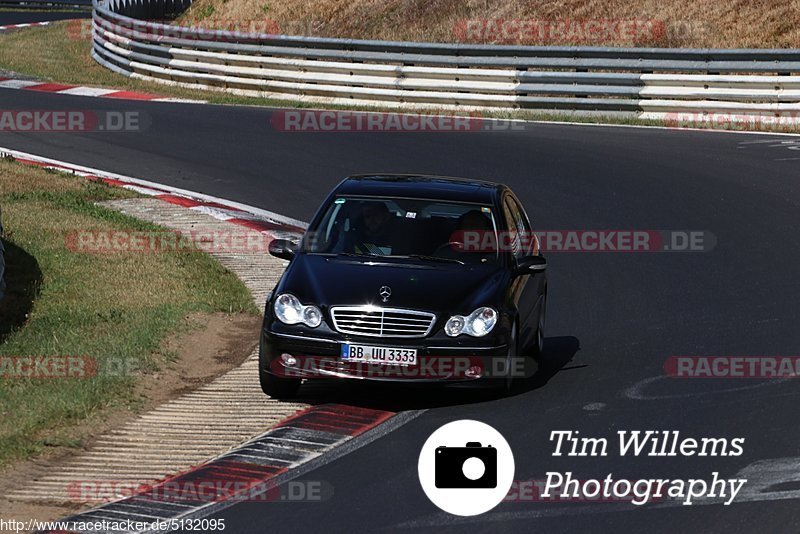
(391, 256)
(426, 258)
(347, 254)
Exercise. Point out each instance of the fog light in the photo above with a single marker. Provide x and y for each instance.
(474, 371)
(288, 360)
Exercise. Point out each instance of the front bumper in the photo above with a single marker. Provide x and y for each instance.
(316, 357)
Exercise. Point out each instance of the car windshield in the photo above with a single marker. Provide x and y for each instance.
(430, 230)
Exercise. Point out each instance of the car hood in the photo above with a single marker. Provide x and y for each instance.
(435, 287)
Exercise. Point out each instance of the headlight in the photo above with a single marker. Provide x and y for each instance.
(454, 326)
(477, 324)
(289, 310)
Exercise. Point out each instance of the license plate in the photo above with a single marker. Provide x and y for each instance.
(384, 355)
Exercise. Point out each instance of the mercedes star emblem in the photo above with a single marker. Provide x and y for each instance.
(385, 292)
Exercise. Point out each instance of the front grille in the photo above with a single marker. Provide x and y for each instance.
(381, 322)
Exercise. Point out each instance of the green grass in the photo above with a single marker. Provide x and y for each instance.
(112, 308)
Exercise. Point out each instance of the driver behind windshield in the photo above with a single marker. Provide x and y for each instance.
(373, 235)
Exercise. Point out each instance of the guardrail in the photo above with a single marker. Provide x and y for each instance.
(45, 4)
(2, 260)
(648, 82)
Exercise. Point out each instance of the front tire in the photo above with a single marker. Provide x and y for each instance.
(511, 359)
(535, 352)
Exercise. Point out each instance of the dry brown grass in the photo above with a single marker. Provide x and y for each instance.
(683, 23)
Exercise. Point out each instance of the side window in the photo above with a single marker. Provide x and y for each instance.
(512, 222)
(529, 240)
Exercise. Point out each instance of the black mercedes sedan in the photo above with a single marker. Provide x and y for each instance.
(407, 278)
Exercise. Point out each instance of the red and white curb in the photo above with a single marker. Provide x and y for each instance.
(79, 90)
(252, 471)
(23, 25)
(273, 224)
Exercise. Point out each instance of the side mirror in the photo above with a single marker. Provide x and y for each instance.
(531, 265)
(283, 249)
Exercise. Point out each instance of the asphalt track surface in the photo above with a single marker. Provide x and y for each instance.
(613, 318)
(21, 17)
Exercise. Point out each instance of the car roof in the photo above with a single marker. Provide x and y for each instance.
(421, 186)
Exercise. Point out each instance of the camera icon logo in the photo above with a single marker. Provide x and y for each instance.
(472, 466)
(466, 467)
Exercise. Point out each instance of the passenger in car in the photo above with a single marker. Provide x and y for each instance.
(471, 222)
